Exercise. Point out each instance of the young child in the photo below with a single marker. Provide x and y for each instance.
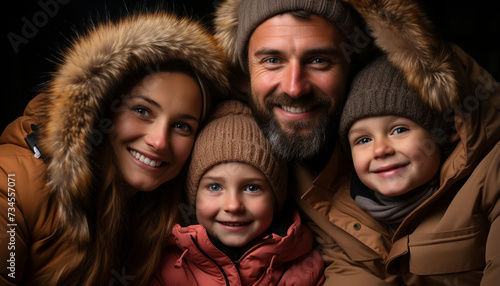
(396, 142)
(246, 236)
(417, 211)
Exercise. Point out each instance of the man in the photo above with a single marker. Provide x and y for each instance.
(298, 71)
(299, 56)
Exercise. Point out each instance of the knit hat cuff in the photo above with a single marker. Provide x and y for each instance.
(232, 135)
(380, 89)
(252, 13)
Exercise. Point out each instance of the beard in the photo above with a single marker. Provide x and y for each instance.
(302, 139)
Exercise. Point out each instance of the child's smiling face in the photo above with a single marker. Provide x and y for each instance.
(235, 203)
(393, 155)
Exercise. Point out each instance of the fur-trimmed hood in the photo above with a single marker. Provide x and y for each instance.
(400, 28)
(92, 69)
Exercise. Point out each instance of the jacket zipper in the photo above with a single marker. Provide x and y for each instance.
(211, 259)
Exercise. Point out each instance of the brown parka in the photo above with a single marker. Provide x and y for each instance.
(453, 237)
(450, 239)
(44, 201)
(29, 235)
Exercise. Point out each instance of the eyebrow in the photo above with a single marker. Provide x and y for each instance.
(266, 51)
(323, 51)
(147, 99)
(355, 131)
(152, 102)
(250, 180)
(189, 117)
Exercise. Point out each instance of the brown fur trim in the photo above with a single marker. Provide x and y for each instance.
(87, 79)
(400, 28)
(226, 29)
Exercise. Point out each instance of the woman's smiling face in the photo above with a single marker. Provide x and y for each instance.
(154, 129)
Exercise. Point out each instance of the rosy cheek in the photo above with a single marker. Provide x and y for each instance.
(181, 147)
(359, 163)
(263, 84)
(186, 148)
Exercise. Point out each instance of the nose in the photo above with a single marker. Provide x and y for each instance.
(157, 137)
(382, 148)
(233, 203)
(295, 81)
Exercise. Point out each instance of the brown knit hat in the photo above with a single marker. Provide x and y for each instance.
(232, 135)
(381, 89)
(252, 13)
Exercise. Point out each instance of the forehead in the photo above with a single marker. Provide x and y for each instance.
(232, 168)
(169, 90)
(287, 29)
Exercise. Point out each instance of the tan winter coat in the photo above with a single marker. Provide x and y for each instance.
(43, 201)
(450, 239)
(453, 237)
(35, 246)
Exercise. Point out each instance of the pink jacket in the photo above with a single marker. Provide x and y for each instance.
(192, 259)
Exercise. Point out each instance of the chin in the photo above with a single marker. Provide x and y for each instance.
(234, 244)
(394, 192)
(144, 186)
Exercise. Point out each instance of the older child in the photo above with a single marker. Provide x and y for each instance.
(420, 230)
(245, 235)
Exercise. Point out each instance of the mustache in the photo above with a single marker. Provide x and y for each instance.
(283, 99)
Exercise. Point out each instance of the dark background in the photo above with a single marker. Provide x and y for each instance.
(473, 25)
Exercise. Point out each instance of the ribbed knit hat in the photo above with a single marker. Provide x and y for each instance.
(252, 13)
(232, 135)
(381, 89)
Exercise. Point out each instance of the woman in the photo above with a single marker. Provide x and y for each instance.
(114, 130)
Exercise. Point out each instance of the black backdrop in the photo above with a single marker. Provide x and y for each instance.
(47, 25)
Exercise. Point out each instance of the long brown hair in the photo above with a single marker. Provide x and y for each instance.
(126, 234)
(128, 237)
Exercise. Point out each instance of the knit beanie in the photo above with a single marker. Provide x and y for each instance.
(232, 135)
(252, 13)
(381, 89)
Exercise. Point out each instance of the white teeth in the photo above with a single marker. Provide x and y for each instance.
(233, 224)
(145, 159)
(293, 109)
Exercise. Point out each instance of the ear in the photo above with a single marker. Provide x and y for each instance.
(454, 137)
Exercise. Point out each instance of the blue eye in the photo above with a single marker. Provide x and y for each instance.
(399, 130)
(252, 188)
(184, 128)
(141, 111)
(320, 63)
(272, 60)
(363, 140)
(214, 187)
